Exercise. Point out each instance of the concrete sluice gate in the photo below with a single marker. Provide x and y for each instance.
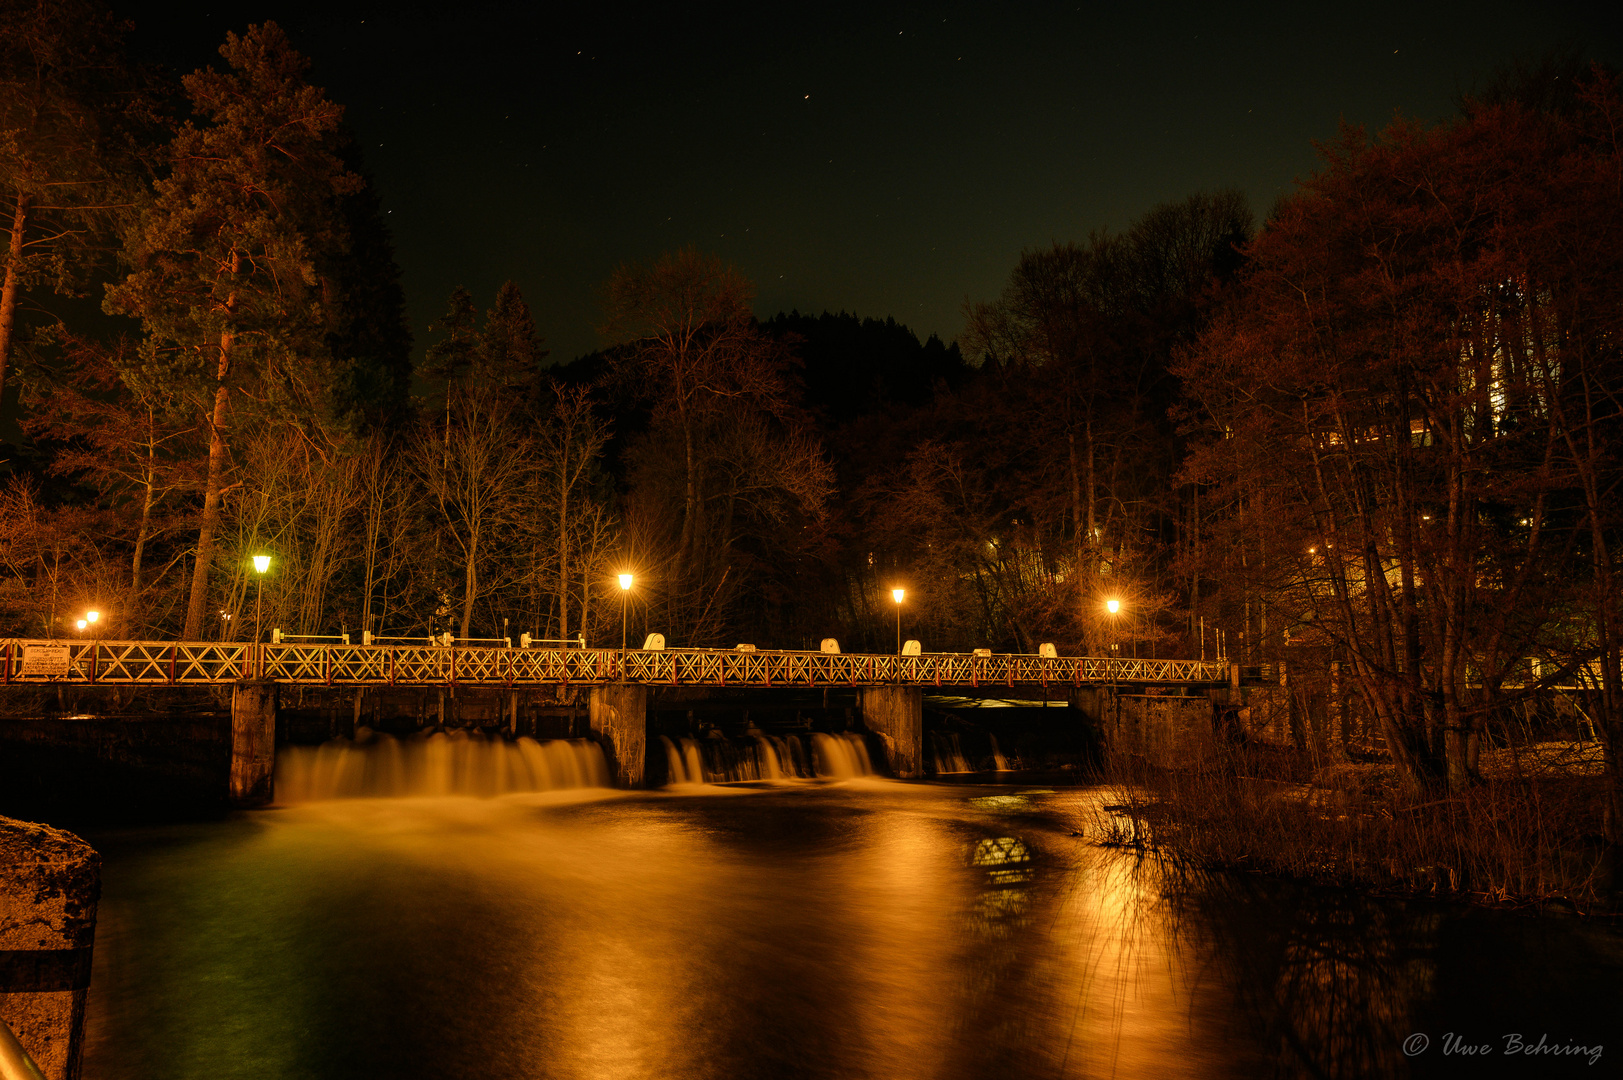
(766, 757)
(377, 765)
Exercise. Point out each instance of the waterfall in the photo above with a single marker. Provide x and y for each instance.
(999, 762)
(841, 756)
(949, 755)
(375, 765)
(683, 764)
(764, 757)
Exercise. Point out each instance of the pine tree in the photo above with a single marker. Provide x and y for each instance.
(224, 259)
(510, 353)
(64, 95)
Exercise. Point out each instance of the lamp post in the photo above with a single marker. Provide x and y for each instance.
(625, 594)
(1113, 606)
(261, 564)
(896, 595)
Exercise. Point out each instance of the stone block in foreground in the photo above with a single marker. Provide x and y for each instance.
(50, 881)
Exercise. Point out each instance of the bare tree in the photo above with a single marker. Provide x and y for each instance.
(477, 478)
(569, 445)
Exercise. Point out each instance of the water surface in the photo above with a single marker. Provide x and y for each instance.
(806, 929)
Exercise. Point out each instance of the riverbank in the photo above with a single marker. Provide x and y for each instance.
(1531, 833)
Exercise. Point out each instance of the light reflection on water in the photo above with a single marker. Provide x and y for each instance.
(865, 929)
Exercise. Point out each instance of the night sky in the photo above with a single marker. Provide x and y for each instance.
(882, 159)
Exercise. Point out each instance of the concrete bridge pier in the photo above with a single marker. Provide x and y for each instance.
(618, 716)
(253, 741)
(897, 714)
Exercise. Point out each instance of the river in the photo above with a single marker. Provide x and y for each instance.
(804, 928)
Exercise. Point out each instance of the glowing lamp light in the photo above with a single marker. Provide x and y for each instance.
(896, 595)
(92, 616)
(261, 563)
(1112, 606)
(80, 624)
(625, 582)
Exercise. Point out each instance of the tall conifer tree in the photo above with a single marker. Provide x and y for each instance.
(224, 259)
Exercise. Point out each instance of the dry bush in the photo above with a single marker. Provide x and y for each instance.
(1516, 838)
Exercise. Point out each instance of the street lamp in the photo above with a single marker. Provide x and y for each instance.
(1113, 606)
(261, 564)
(625, 593)
(896, 595)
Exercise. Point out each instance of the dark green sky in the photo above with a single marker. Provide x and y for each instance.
(886, 159)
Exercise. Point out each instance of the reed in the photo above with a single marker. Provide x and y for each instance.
(1530, 837)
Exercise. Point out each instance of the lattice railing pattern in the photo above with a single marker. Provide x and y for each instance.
(187, 662)
(419, 665)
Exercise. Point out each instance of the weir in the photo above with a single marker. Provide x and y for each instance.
(618, 684)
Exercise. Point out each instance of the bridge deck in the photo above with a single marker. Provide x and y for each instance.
(191, 663)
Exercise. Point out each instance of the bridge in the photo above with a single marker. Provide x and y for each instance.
(890, 688)
(202, 662)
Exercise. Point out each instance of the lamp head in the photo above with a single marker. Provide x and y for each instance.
(625, 582)
(92, 616)
(261, 563)
(897, 594)
(80, 624)
(1112, 606)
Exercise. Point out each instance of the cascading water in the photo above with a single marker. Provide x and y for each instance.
(376, 765)
(999, 762)
(765, 757)
(841, 756)
(949, 755)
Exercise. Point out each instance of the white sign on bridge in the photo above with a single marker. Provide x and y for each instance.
(45, 660)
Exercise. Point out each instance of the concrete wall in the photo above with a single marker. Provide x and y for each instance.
(896, 715)
(50, 882)
(253, 742)
(1166, 731)
(76, 768)
(618, 714)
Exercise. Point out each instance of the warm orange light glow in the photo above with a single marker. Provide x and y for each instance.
(261, 563)
(92, 616)
(80, 624)
(896, 595)
(625, 582)
(1112, 606)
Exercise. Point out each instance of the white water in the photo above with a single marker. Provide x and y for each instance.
(1000, 762)
(949, 755)
(841, 756)
(765, 757)
(376, 765)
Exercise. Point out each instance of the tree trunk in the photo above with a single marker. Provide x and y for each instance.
(1077, 516)
(1092, 502)
(11, 287)
(197, 605)
(470, 583)
(690, 502)
(133, 600)
(563, 542)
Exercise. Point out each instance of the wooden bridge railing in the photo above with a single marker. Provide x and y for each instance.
(195, 662)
